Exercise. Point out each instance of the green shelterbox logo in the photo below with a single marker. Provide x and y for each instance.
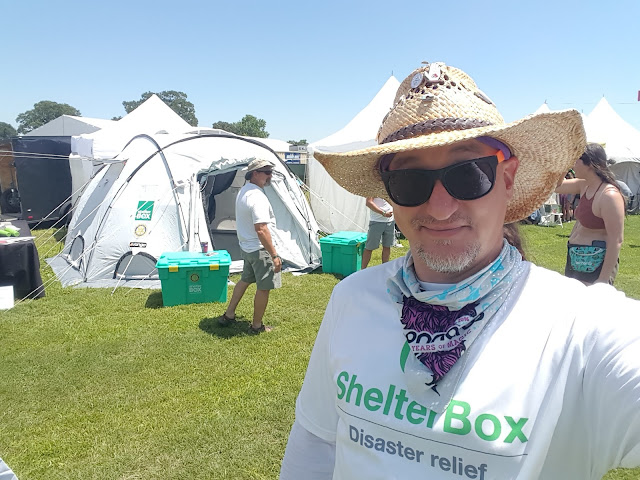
(144, 211)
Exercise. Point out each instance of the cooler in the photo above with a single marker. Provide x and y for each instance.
(193, 277)
(342, 252)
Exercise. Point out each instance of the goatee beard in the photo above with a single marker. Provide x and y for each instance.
(449, 263)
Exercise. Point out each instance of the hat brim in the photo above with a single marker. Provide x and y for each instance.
(546, 144)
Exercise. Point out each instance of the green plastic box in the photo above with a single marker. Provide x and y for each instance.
(193, 277)
(342, 252)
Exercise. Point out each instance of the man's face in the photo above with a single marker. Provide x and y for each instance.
(262, 177)
(451, 239)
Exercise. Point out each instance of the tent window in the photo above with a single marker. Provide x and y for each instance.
(76, 251)
(136, 267)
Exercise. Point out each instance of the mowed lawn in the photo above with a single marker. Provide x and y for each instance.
(102, 385)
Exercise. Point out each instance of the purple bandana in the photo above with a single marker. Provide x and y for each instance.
(436, 334)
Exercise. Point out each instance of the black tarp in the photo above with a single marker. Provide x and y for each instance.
(43, 176)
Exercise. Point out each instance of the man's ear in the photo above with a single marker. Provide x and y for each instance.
(509, 169)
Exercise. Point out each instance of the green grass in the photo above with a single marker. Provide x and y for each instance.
(97, 385)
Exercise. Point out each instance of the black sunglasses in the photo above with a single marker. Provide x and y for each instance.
(268, 172)
(467, 180)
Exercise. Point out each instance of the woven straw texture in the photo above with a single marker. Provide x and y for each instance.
(546, 144)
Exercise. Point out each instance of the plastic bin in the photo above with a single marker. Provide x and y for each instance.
(342, 252)
(193, 277)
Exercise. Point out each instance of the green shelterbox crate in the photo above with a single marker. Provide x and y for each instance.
(342, 252)
(193, 277)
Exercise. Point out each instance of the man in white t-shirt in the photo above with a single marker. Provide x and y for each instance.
(449, 362)
(381, 228)
(262, 264)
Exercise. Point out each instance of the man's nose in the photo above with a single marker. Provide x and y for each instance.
(441, 205)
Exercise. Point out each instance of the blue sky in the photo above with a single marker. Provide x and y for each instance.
(308, 67)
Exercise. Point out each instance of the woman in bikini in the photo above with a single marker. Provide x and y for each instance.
(596, 238)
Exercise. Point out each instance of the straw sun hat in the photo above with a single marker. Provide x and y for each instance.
(439, 105)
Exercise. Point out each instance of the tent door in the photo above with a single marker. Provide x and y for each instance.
(136, 267)
(219, 198)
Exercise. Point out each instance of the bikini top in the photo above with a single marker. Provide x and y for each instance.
(584, 213)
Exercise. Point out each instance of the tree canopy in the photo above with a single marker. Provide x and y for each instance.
(41, 113)
(177, 101)
(249, 126)
(298, 142)
(6, 131)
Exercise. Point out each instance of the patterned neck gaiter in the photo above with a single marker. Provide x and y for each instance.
(440, 325)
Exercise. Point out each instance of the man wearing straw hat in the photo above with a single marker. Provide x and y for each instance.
(445, 363)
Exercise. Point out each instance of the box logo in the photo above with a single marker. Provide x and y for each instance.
(145, 210)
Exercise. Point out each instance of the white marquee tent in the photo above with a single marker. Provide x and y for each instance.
(336, 209)
(90, 151)
(621, 142)
(605, 126)
(69, 125)
(152, 116)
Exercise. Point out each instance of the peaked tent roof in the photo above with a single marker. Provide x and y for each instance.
(335, 208)
(150, 117)
(69, 125)
(620, 140)
(544, 108)
(362, 130)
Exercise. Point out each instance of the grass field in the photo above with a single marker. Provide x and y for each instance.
(114, 386)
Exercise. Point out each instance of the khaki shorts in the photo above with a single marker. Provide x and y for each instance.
(258, 269)
(380, 230)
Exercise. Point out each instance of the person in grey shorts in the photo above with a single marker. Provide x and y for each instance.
(255, 222)
(381, 227)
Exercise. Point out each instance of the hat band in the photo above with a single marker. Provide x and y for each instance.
(435, 126)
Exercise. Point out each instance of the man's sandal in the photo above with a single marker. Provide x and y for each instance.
(225, 321)
(255, 331)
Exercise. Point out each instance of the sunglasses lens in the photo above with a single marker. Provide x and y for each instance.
(466, 181)
(471, 180)
(408, 188)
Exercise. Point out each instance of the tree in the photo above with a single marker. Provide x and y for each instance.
(249, 126)
(43, 112)
(6, 131)
(177, 101)
(226, 126)
(298, 142)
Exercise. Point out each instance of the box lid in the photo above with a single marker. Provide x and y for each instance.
(194, 259)
(345, 238)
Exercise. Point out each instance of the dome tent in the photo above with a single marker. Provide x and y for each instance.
(168, 193)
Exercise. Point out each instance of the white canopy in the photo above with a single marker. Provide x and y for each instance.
(336, 209)
(150, 117)
(605, 126)
(544, 108)
(69, 125)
